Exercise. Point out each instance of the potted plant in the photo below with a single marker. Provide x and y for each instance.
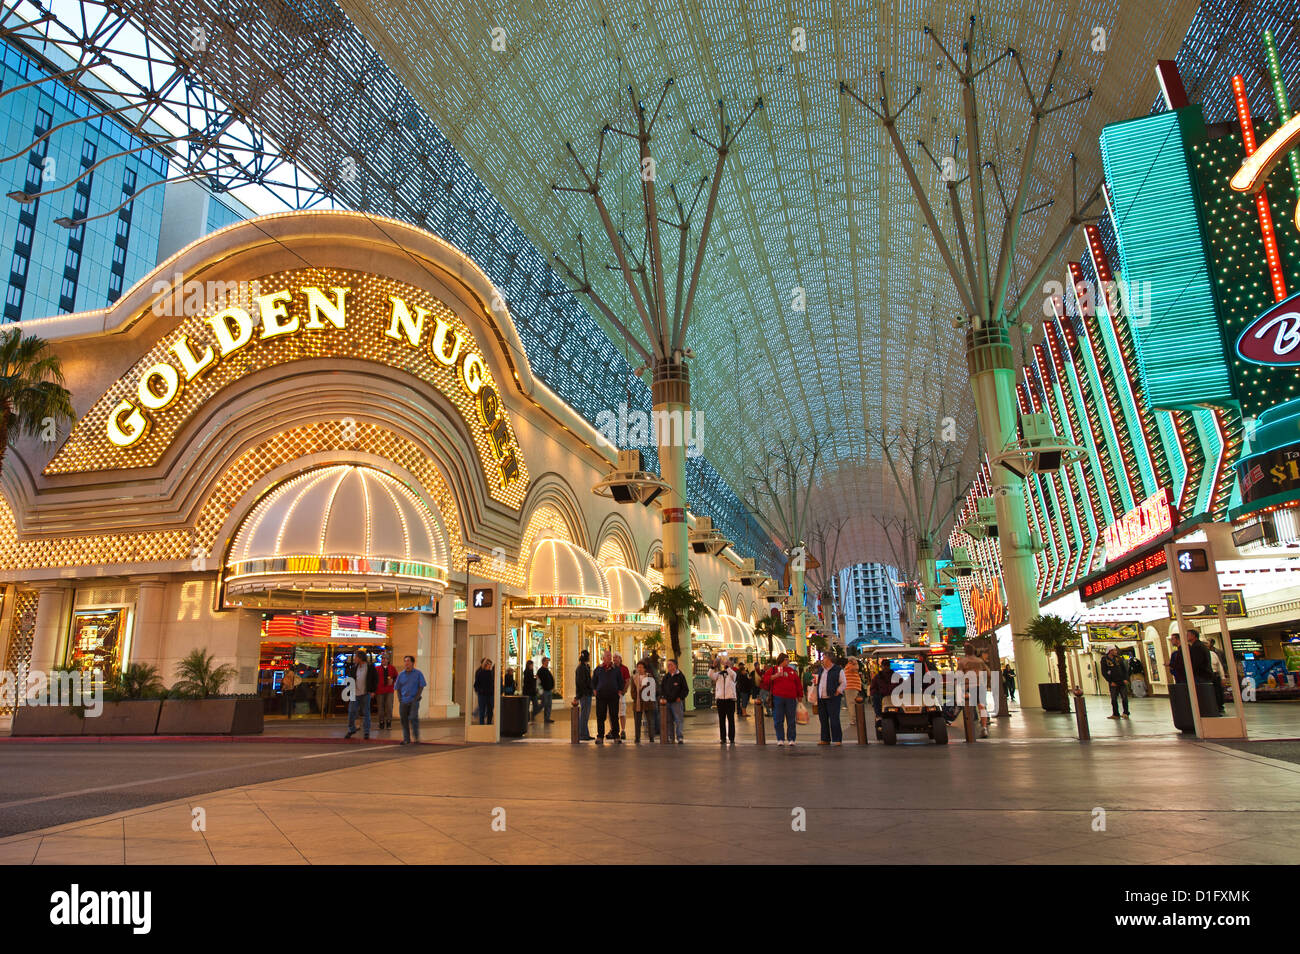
(197, 705)
(1052, 634)
(676, 606)
(132, 703)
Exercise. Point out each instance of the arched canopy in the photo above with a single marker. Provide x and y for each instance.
(628, 591)
(338, 537)
(709, 628)
(565, 581)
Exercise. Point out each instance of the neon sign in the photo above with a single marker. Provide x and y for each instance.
(987, 608)
(1140, 525)
(1274, 337)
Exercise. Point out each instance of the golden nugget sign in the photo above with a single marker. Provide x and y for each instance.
(312, 313)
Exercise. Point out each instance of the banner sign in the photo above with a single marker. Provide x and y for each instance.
(1234, 606)
(1114, 632)
(1275, 471)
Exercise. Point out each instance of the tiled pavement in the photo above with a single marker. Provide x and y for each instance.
(1165, 801)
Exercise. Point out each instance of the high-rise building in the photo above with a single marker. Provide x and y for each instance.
(869, 596)
(85, 202)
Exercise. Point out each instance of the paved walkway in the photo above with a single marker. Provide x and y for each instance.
(1160, 802)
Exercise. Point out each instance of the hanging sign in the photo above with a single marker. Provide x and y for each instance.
(1144, 523)
(1274, 337)
(987, 609)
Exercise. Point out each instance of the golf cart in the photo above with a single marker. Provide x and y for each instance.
(915, 715)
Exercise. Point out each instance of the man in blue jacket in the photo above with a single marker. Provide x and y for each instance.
(607, 681)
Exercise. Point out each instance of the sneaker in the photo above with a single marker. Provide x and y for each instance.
(1112, 717)
(681, 741)
(823, 742)
(1126, 714)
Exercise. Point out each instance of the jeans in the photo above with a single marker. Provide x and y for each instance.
(651, 716)
(726, 719)
(409, 713)
(385, 700)
(484, 710)
(783, 710)
(678, 712)
(876, 700)
(828, 711)
(288, 702)
(607, 705)
(360, 704)
(1219, 695)
(544, 704)
(1118, 691)
(584, 714)
(741, 699)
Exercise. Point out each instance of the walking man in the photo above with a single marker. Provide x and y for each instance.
(607, 681)
(287, 688)
(409, 688)
(830, 681)
(1114, 669)
(724, 697)
(582, 688)
(546, 683)
(364, 679)
(386, 672)
(674, 697)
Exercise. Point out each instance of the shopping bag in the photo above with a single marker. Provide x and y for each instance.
(801, 713)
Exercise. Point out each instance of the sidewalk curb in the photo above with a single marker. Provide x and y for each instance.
(109, 739)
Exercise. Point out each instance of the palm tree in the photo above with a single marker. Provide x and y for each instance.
(31, 388)
(769, 628)
(137, 681)
(676, 606)
(1052, 634)
(199, 678)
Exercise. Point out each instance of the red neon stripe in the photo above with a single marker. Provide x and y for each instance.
(1271, 257)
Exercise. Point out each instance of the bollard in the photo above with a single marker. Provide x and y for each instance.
(665, 723)
(970, 717)
(760, 727)
(573, 722)
(860, 713)
(1081, 715)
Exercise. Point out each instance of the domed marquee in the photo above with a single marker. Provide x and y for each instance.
(340, 536)
(288, 316)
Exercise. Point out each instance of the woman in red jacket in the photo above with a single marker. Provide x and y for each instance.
(782, 680)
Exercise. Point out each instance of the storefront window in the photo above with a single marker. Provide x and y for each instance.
(301, 671)
(96, 642)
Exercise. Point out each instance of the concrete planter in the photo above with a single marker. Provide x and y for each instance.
(48, 720)
(210, 717)
(128, 717)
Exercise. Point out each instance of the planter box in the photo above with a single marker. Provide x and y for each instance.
(210, 717)
(1051, 697)
(47, 720)
(128, 717)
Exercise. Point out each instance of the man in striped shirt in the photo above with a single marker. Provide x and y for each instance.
(852, 686)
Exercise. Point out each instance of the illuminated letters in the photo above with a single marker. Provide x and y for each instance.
(438, 346)
(191, 365)
(318, 304)
(124, 433)
(473, 371)
(229, 341)
(411, 328)
(272, 311)
(153, 398)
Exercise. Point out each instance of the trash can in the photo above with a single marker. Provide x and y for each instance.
(1181, 706)
(514, 716)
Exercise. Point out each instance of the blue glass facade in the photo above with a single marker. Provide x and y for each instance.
(53, 269)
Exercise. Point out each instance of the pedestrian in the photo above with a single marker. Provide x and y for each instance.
(546, 683)
(1203, 668)
(1114, 670)
(972, 663)
(288, 685)
(744, 689)
(724, 697)
(852, 686)
(409, 686)
(508, 682)
(582, 696)
(1177, 674)
(882, 684)
(786, 688)
(607, 681)
(364, 679)
(830, 682)
(644, 701)
(528, 688)
(1009, 677)
(387, 672)
(673, 695)
(485, 688)
(622, 697)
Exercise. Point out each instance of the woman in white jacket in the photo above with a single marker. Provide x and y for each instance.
(724, 696)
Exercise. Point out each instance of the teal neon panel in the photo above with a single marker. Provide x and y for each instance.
(1180, 348)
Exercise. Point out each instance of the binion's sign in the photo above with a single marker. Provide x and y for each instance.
(1144, 523)
(1274, 337)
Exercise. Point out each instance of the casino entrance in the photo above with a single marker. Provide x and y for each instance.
(333, 559)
